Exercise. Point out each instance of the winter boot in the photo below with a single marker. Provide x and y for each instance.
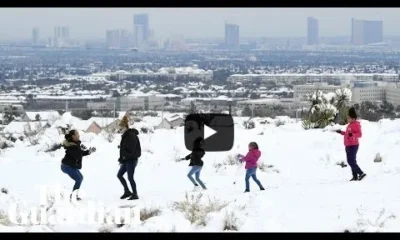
(247, 190)
(134, 197)
(262, 188)
(354, 179)
(126, 194)
(361, 176)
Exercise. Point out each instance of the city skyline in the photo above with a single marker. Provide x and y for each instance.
(89, 23)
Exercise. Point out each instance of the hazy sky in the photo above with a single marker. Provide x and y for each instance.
(85, 23)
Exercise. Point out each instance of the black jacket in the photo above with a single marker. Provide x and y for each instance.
(195, 157)
(129, 149)
(73, 154)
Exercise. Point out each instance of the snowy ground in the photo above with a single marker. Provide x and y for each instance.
(305, 188)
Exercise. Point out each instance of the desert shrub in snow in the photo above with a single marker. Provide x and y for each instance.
(52, 147)
(109, 133)
(327, 108)
(146, 130)
(4, 143)
(378, 158)
(232, 220)
(4, 219)
(33, 132)
(279, 123)
(342, 164)
(230, 160)
(267, 167)
(147, 213)
(249, 125)
(196, 210)
(366, 225)
(150, 114)
(4, 190)
(106, 228)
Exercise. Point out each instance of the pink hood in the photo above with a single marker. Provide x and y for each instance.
(251, 158)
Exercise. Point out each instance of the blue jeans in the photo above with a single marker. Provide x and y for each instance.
(128, 167)
(252, 173)
(73, 173)
(196, 170)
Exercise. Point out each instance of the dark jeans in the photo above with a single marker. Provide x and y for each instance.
(196, 170)
(73, 173)
(128, 167)
(252, 173)
(351, 153)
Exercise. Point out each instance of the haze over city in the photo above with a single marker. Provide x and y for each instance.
(91, 23)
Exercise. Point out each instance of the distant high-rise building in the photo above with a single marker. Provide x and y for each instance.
(232, 36)
(35, 36)
(141, 27)
(61, 36)
(117, 38)
(312, 31)
(366, 32)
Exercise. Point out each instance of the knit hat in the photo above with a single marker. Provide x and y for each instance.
(352, 113)
(124, 122)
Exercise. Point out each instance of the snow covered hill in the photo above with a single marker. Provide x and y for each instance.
(306, 188)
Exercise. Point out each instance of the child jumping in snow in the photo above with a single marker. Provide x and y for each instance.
(196, 163)
(251, 165)
(351, 136)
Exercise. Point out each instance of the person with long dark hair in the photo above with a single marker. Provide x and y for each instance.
(72, 161)
(196, 163)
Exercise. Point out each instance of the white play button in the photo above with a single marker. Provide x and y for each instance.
(208, 132)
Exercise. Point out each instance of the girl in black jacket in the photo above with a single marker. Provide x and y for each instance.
(196, 163)
(72, 161)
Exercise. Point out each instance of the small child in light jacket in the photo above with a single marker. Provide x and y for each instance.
(251, 165)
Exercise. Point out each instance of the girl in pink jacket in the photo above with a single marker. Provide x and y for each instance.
(351, 135)
(251, 165)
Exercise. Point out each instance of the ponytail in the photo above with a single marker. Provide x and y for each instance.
(69, 135)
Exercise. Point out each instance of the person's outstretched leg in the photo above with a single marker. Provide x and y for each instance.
(130, 168)
(198, 178)
(120, 176)
(254, 176)
(189, 175)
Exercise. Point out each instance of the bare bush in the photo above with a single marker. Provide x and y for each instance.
(231, 221)
(364, 224)
(110, 133)
(378, 158)
(249, 125)
(146, 130)
(4, 219)
(52, 147)
(230, 160)
(147, 213)
(33, 133)
(279, 122)
(195, 210)
(4, 190)
(106, 228)
(267, 167)
(342, 164)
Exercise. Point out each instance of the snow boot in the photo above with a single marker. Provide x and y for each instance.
(134, 197)
(262, 188)
(246, 190)
(361, 176)
(126, 194)
(354, 179)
